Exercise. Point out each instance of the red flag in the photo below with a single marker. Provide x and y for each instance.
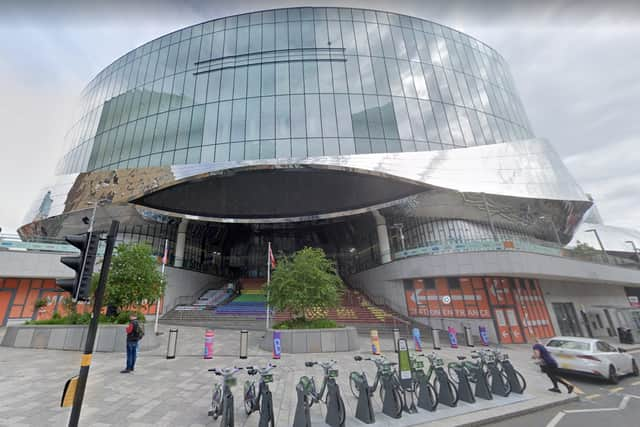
(165, 257)
(272, 259)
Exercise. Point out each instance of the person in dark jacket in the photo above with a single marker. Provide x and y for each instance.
(549, 366)
(133, 337)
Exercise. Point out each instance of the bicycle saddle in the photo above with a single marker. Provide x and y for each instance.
(461, 357)
(475, 356)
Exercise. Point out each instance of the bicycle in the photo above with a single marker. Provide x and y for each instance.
(459, 374)
(496, 377)
(469, 367)
(330, 391)
(427, 396)
(385, 374)
(514, 377)
(261, 401)
(222, 397)
(445, 388)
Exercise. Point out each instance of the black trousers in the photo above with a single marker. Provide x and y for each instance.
(552, 373)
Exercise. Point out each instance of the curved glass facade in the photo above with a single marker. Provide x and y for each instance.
(295, 82)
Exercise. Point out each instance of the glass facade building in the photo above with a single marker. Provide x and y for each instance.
(297, 82)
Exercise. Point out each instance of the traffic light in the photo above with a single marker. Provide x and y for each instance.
(80, 285)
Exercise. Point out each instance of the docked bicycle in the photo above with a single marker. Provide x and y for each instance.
(308, 394)
(386, 382)
(222, 397)
(261, 401)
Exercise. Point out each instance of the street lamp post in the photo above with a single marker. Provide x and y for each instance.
(635, 249)
(594, 231)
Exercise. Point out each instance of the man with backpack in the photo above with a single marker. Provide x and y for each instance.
(135, 332)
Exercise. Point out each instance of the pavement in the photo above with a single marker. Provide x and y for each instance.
(177, 392)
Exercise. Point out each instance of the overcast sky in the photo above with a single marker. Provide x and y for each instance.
(576, 65)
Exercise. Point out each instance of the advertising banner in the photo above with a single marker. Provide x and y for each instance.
(416, 339)
(276, 345)
(452, 337)
(484, 335)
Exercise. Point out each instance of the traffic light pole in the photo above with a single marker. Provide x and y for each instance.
(93, 327)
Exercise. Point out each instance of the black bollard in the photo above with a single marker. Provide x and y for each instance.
(464, 387)
(427, 397)
(444, 394)
(302, 416)
(497, 385)
(364, 408)
(482, 388)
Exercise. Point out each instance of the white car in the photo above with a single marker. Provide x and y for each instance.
(592, 357)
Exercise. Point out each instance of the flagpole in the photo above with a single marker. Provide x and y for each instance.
(268, 279)
(164, 262)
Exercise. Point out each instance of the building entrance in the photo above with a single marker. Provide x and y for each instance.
(567, 319)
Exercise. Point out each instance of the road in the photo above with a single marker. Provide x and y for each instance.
(601, 404)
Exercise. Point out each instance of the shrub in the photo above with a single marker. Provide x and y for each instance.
(300, 323)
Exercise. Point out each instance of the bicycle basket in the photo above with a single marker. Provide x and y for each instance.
(418, 364)
(267, 378)
(386, 369)
(333, 373)
(305, 385)
(230, 382)
(439, 362)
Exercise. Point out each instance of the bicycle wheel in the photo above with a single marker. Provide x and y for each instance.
(503, 378)
(454, 391)
(453, 374)
(343, 411)
(522, 381)
(353, 385)
(431, 391)
(215, 402)
(399, 400)
(312, 395)
(249, 396)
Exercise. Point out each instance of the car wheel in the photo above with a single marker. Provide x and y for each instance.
(613, 376)
(634, 368)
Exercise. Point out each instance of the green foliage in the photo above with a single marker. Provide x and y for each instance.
(307, 324)
(584, 249)
(42, 302)
(306, 280)
(84, 319)
(134, 278)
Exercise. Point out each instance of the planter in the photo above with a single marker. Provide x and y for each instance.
(313, 340)
(110, 338)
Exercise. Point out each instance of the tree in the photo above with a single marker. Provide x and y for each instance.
(584, 249)
(134, 278)
(306, 280)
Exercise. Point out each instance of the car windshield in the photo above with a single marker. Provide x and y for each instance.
(569, 345)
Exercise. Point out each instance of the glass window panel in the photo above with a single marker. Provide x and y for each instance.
(210, 124)
(167, 159)
(189, 87)
(314, 146)
(268, 79)
(154, 160)
(208, 153)
(374, 39)
(402, 118)
(388, 117)
(398, 40)
(171, 132)
(213, 89)
(347, 146)
(158, 134)
(147, 139)
(366, 72)
(283, 148)
(180, 157)
(443, 85)
(243, 20)
(378, 146)
(295, 35)
(407, 146)
(230, 42)
(363, 146)
(282, 78)
(380, 76)
(282, 36)
(308, 35)
(441, 121)
(358, 116)
(226, 84)
(253, 119)
(299, 147)
(298, 110)
(151, 67)
(201, 88)
(393, 146)
(475, 127)
(407, 79)
(307, 14)
(454, 125)
(348, 37)
(281, 15)
(193, 155)
(255, 38)
(331, 147)
(240, 83)
(335, 38)
(332, 13)
(418, 78)
(194, 53)
(222, 153)
(162, 62)
(183, 128)
(183, 54)
(267, 118)
(362, 44)
(429, 121)
(251, 150)
(296, 79)
(314, 124)
(237, 120)
(394, 77)
(310, 77)
(217, 51)
(388, 49)
(322, 37)
(353, 71)
(268, 16)
(268, 37)
(165, 98)
(416, 120)
(243, 41)
(453, 87)
(466, 126)
(374, 119)
(339, 77)
(267, 149)
(253, 80)
(324, 77)
(236, 151)
(205, 47)
(224, 122)
(329, 127)
(343, 111)
(282, 117)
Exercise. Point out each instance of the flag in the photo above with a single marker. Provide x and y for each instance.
(165, 257)
(272, 259)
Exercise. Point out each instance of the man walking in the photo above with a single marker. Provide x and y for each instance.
(134, 335)
(549, 366)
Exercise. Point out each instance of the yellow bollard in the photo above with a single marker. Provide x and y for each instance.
(375, 342)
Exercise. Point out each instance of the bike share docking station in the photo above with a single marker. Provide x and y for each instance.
(308, 395)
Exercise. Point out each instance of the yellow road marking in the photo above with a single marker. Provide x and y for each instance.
(615, 390)
(592, 396)
(576, 389)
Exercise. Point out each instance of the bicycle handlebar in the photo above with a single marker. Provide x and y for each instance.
(225, 372)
